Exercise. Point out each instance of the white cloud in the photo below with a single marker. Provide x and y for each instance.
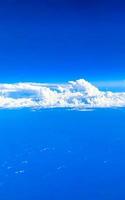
(78, 94)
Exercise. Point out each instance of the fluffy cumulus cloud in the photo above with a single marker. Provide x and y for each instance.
(78, 94)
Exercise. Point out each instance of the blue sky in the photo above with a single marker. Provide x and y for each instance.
(61, 40)
(55, 50)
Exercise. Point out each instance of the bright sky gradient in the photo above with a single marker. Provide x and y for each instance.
(57, 41)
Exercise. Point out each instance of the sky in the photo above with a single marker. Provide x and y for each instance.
(57, 58)
(57, 41)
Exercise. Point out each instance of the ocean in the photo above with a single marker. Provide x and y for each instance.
(57, 154)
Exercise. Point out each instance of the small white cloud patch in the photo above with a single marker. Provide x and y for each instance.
(78, 94)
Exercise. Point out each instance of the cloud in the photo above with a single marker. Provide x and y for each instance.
(111, 84)
(79, 94)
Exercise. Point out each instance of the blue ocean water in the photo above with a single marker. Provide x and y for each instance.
(62, 154)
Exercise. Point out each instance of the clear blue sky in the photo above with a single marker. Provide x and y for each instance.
(59, 40)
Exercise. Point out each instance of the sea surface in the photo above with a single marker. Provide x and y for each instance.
(59, 154)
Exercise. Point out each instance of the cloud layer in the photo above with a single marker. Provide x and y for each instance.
(78, 94)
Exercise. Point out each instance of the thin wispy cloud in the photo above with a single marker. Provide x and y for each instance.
(111, 84)
(78, 94)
